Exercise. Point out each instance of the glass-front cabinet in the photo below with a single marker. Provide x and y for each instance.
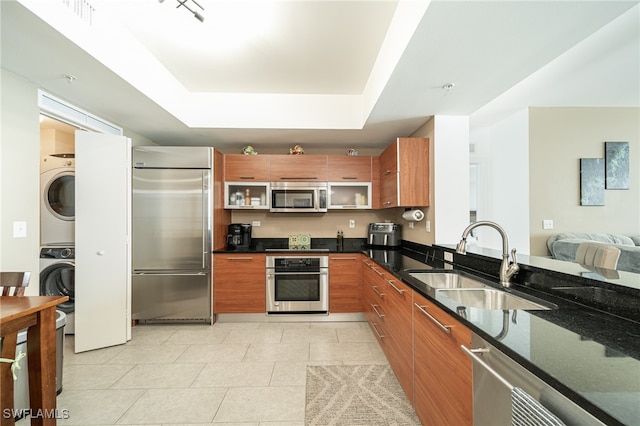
(355, 195)
(246, 195)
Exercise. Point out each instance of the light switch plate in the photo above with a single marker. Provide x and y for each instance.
(255, 223)
(19, 229)
(352, 223)
(547, 224)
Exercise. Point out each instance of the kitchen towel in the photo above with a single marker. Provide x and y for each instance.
(413, 215)
(526, 411)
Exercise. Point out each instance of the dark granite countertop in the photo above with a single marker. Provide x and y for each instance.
(587, 351)
(590, 356)
(281, 245)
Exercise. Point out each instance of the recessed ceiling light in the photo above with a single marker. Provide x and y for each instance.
(70, 78)
(448, 86)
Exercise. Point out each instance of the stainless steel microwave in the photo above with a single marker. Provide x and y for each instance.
(300, 197)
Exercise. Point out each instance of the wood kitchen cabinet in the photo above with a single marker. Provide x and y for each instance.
(398, 305)
(345, 168)
(298, 168)
(239, 283)
(443, 373)
(373, 299)
(404, 173)
(252, 168)
(391, 310)
(345, 290)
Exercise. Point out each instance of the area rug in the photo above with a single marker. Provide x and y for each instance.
(356, 395)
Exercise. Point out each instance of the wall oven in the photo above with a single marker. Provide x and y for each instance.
(297, 285)
(298, 197)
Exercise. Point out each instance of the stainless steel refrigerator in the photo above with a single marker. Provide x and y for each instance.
(172, 234)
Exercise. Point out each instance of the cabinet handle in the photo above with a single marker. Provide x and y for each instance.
(376, 271)
(445, 328)
(376, 311)
(298, 177)
(472, 353)
(374, 325)
(349, 177)
(239, 258)
(247, 177)
(395, 288)
(343, 258)
(376, 290)
(369, 264)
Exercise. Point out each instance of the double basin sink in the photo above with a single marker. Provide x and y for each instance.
(472, 292)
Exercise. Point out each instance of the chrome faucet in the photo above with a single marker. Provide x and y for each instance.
(507, 268)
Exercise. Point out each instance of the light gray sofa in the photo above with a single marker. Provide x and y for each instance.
(564, 247)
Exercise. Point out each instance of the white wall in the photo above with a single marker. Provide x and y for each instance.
(19, 176)
(503, 193)
(451, 177)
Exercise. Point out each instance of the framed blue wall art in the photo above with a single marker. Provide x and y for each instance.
(592, 181)
(616, 156)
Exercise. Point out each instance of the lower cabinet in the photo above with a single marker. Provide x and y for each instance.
(443, 373)
(345, 292)
(239, 283)
(387, 307)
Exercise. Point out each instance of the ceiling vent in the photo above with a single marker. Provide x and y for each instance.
(82, 9)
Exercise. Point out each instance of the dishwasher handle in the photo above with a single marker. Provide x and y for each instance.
(472, 353)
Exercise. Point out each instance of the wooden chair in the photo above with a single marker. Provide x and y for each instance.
(14, 283)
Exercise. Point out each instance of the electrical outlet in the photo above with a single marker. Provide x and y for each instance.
(410, 225)
(352, 223)
(255, 223)
(427, 225)
(547, 224)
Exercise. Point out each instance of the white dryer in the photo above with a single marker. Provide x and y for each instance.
(57, 200)
(57, 278)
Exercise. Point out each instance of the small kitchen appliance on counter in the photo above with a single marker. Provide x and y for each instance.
(239, 237)
(384, 234)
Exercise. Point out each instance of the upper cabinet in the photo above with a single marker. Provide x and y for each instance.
(344, 168)
(404, 173)
(300, 168)
(252, 168)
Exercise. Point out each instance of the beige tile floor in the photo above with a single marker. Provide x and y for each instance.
(241, 374)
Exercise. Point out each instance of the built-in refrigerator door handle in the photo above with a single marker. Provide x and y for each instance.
(205, 218)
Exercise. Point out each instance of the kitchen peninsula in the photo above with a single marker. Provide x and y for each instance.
(586, 351)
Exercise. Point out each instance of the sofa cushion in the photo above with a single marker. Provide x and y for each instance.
(600, 237)
(636, 240)
(567, 250)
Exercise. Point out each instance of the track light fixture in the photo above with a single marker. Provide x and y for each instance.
(195, 12)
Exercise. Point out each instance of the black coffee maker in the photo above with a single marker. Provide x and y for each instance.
(239, 237)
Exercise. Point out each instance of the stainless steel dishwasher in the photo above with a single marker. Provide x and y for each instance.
(494, 377)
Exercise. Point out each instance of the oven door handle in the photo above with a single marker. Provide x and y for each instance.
(270, 274)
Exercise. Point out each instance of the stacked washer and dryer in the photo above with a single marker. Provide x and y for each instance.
(57, 231)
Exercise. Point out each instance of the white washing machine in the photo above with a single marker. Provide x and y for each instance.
(57, 201)
(57, 278)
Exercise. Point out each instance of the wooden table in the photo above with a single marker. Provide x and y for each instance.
(39, 314)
